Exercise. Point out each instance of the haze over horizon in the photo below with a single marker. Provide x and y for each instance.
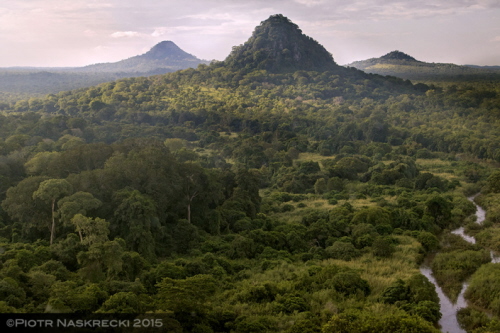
(58, 33)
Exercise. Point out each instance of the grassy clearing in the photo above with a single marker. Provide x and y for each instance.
(438, 167)
(433, 164)
(446, 175)
(314, 157)
(231, 135)
(296, 215)
(380, 273)
(304, 207)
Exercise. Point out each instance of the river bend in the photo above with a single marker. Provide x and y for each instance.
(448, 321)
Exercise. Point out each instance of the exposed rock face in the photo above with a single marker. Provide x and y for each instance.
(278, 45)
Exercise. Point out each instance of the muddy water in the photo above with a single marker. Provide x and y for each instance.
(480, 216)
(448, 321)
(461, 232)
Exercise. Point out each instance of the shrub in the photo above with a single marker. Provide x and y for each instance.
(355, 321)
(342, 250)
(471, 319)
(383, 247)
(350, 283)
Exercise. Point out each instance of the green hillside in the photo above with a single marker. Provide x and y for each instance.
(269, 192)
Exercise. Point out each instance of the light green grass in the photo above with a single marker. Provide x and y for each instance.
(314, 157)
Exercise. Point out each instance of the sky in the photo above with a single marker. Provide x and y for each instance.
(57, 33)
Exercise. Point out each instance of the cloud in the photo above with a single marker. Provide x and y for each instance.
(367, 34)
(496, 39)
(214, 22)
(310, 3)
(160, 32)
(120, 34)
(99, 5)
(377, 10)
(486, 4)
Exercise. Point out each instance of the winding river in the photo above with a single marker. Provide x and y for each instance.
(448, 321)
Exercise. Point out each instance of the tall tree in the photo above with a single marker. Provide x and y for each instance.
(78, 203)
(135, 217)
(49, 191)
(21, 206)
(91, 231)
(194, 181)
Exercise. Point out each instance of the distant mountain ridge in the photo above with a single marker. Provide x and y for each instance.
(402, 65)
(398, 55)
(163, 58)
(166, 56)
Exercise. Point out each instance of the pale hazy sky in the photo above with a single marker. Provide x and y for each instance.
(82, 32)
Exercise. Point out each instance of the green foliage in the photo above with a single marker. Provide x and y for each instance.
(429, 241)
(416, 296)
(50, 191)
(350, 283)
(484, 288)
(291, 304)
(124, 302)
(372, 215)
(342, 250)
(21, 206)
(101, 261)
(254, 324)
(471, 319)
(224, 194)
(261, 293)
(383, 247)
(92, 231)
(12, 294)
(133, 219)
(439, 208)
(451, 269)
(69, 296)
(367, 322)
(77, 203)
(305, 326)
(494, 182)
(188, 295)
(295, 52)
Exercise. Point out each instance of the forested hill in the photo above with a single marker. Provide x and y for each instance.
(255, 194)
(278, 45)
(333, 107)
(328, 109)
(399, 64)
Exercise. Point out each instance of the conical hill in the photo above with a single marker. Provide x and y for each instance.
(278, 45)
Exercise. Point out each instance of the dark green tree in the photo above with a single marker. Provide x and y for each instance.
(50, 191)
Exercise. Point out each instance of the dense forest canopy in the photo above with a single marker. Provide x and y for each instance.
(270, 192)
